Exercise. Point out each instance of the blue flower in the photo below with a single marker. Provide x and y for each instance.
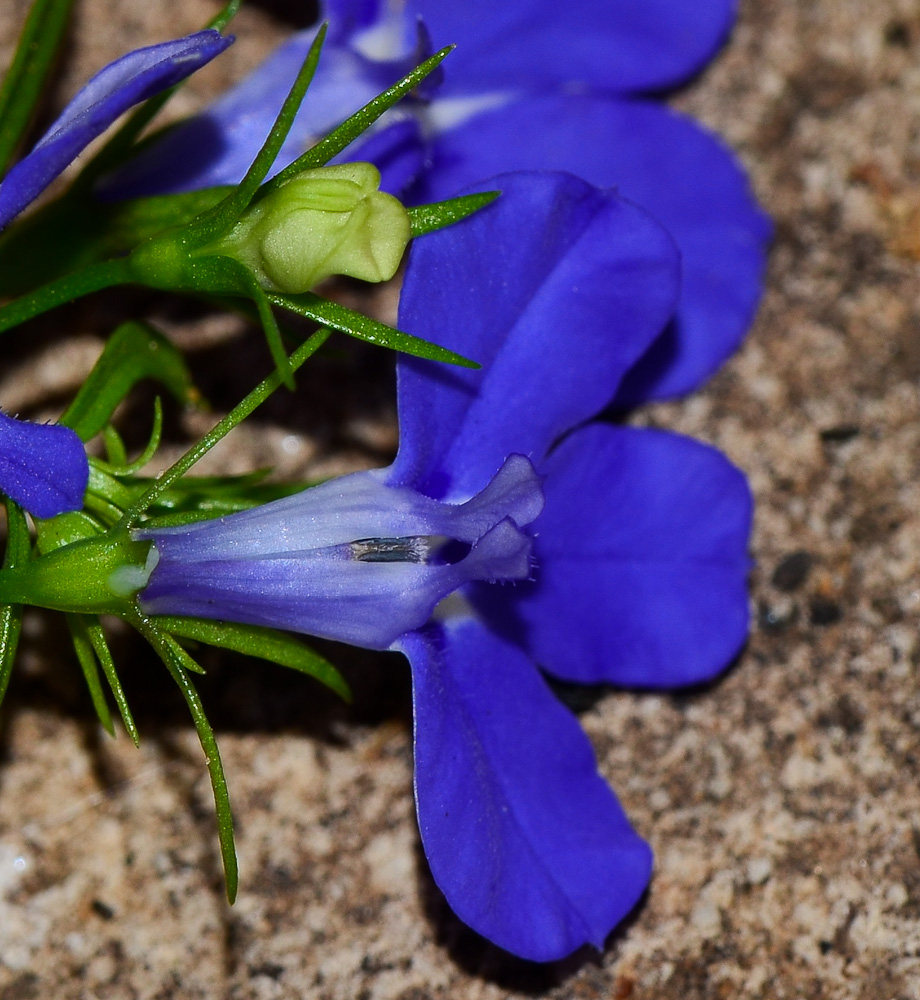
(534, 84)
(112, 91)
(43, 467)
(628, 566)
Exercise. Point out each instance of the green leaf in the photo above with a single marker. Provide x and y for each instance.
(265, 643)
(437, 215)
(358, 123)
(25, 79)
(338, 317)
(134, 351)
(17, 553)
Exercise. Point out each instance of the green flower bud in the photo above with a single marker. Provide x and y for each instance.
(332, 220)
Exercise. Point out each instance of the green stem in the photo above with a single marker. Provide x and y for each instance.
(57, 293)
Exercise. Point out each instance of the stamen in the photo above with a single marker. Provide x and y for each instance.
(412, 549)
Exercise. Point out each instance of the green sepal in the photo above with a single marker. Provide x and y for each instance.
(116, 454)
(118, 464)
(134, 351)
(86, 656)
(193, 499)
(213, 224)
(429, 218)
(106, 495)
(204, 497)
(166, 480)
(18, 551)
(25, 79)
(358, 123)
(179, 663)
(264, 643)
(345, 320)
(90, 644)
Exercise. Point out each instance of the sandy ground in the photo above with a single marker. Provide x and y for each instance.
(782, 802)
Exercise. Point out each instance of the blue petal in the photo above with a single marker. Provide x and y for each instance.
(110, 93)
(556, 289)
(43, 467)
(524, 837)
(217, 146)
(683, 175)
(641, 562)
(535, 45)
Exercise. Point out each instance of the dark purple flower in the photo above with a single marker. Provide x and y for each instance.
(112, 91)
(534, 84)
(43, 467)
(638, 543)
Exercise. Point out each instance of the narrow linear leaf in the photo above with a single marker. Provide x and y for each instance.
(338, 317)
(25, 79)
(264, 643)
(437, 215)
(134, 351)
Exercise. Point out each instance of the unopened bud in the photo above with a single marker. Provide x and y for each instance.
(332, 220)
